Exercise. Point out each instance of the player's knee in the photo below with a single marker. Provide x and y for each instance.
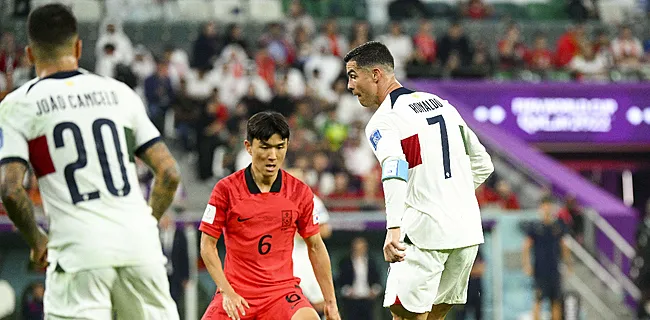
(305, 314)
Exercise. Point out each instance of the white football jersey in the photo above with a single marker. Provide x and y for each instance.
(446, 163)
(321, 216)
(80, 133)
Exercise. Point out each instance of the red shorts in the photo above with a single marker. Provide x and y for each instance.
(277, 305)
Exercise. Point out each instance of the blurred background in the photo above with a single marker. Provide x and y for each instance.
(555, 89)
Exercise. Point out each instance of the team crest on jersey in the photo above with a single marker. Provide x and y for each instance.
(286, 219)
(374, 139)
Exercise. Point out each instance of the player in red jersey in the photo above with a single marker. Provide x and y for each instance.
(258, 210)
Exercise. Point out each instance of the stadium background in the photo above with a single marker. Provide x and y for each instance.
(571, 119)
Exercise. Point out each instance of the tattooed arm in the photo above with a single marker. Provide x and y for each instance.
(166, 177)
(20, 207)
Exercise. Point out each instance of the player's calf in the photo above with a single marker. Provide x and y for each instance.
(439, 311)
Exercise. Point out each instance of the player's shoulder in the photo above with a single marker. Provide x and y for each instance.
(15, 105)
(296, 187)
(231, 181)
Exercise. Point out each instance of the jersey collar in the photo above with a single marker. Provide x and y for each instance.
(396, 93)
(252, 186)
(57, 75)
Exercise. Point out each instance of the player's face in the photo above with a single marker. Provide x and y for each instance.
(362, 84)
(268, 155)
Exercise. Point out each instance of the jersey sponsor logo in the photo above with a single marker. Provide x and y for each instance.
(209, 214)
(242, 220)
(374, 138)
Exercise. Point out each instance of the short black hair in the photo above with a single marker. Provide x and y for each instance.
(264, 124)
(370, 54)
(51, 26)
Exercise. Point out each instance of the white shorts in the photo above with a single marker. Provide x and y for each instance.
(136, 292)
(429, 277)
(308, 282)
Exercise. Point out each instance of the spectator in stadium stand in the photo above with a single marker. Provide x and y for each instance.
(568, 45)
(400, 46)
(187, 112)
(281, 102)
(304, 48)
(602, 46)
(159, 94)
(507, 199)
(235, 35)
(175, 246)
(359, 282)
(344, 196)
(330, 41)
(111, 32)
(627, 50)
(278, 44)
(298, 18)
(207, 46)
(425, 43)
(571, 215)
(589, 67)
(540, 58)
(320, 177)
(511, 49)
(454, 41)
(476, 10)
(486, 196)
(546, 240)
(361, 33)
(107, 61)
(212, 134)
(143, 65)
(10, 53)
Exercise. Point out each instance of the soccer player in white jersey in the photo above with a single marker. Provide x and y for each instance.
(81, 132)
(431, 163)
(301, 263)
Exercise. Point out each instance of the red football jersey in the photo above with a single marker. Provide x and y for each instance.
(259, 228)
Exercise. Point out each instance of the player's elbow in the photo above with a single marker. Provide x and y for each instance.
(171, 176)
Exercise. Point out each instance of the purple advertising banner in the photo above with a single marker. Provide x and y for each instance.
(558, 112)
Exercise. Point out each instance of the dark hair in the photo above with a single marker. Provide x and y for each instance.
(263, 125)
(370, 54)
(51, 26)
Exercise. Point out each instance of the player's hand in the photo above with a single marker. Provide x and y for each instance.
(393, 250)
(234, 304)
(38, 254)
(332, 312)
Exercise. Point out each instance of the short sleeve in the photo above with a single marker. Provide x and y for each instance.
(214, 216)
(308, 220)
(384, 138)
(13, 143)
(144, 132)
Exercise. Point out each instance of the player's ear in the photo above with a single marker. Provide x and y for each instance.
(77, 49)
(248, 146)
(376, 74)
(30, 54)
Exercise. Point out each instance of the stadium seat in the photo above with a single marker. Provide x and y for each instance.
(544, 11)
(265, 10)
